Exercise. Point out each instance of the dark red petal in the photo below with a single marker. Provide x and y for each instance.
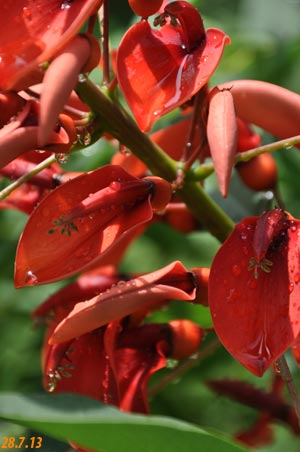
(45, 257)
(85, 366)
(132, 368)
(157, 74)
(256, 318)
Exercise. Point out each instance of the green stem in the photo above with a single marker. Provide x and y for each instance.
(183, 367)
(206, 169)
(288, 379)
(26, 177)
(116, 121)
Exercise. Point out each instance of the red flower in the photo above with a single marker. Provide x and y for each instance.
(159, 70)
(170, 282)
(114, 363)
(254, 290)
(35, 31)
(84, 221)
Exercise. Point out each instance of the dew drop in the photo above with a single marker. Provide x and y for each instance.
(115, 185)
(66, 4)
(291, 287)
(183, 46)
(121, 284)
(27, 13)
(30, 278)
(232, 295)
(156, 113)
(236, 270)
(243, 236)
(276, 368)
(297, 278)
(81, 78)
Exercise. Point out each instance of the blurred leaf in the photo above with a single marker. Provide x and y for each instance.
(106, 429)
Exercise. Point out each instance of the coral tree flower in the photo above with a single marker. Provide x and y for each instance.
(113, 363)
(43, 32)
(170, 282)
(254, 290)
(83, 221)
(158, 70)
(35, 31)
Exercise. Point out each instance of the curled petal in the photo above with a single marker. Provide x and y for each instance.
(58, 83)
(171, 282)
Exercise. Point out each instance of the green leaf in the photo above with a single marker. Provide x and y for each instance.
(106, 429)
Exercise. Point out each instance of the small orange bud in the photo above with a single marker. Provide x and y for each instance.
(186, 338)
(161, 192)
(259, 173)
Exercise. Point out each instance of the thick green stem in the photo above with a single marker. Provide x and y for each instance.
(116, 121)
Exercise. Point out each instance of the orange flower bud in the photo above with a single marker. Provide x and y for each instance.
(161, 192)
(259, 173)
(186, 338)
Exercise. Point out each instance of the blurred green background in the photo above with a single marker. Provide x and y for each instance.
(265, 45)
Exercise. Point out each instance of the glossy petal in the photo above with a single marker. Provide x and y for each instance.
(222, 135)
(170, 282)
(35, 32)
(255, 99)
(255, 311)
(157, 74)
(45, 254)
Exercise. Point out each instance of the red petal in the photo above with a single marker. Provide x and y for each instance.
(132, 368)
(157, 74)
(256, 319)
(90, 373)
(43, 257)
(124, 299)
(35, 31)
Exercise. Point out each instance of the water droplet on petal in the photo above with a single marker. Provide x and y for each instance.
(291, 287)
(30, 278)
(296, 278)
(121, 284)
(66, 4)
(236, 270)
(81, 78)
(27, 13)
(232, 295)
(243, 236)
